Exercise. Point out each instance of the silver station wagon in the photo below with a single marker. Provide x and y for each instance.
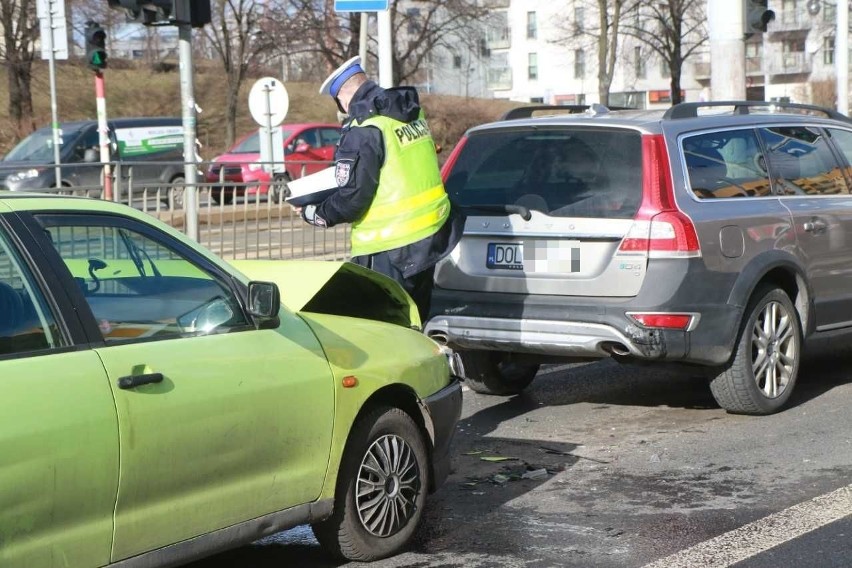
(712, 234)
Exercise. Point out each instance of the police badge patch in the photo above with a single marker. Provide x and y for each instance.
(343, 172)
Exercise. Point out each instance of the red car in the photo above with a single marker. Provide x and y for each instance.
(308, 148)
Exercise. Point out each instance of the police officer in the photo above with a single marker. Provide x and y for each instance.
(389, 184)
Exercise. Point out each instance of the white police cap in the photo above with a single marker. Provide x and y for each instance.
(331, 86)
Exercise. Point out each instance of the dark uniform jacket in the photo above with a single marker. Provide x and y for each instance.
(363, 148)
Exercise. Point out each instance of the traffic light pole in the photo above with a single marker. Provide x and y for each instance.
(103, 133)
(187, 99)
(727, 50)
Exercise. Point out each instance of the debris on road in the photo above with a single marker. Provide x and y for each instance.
(535, 474)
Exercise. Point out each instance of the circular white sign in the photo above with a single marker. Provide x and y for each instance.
(268, 101)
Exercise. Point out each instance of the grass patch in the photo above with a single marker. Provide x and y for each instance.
(135, 89)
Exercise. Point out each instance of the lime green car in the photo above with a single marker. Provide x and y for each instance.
(160, 405)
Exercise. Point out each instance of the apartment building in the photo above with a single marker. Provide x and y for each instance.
(535, 51)
(794, 60)
(540, 51)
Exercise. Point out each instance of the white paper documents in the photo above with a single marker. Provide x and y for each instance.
(312, 188)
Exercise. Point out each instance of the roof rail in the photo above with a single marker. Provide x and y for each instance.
(690, 110)
(528, 111)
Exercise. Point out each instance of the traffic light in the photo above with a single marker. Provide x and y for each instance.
(165, 12)
(96, 55)
(757, 15)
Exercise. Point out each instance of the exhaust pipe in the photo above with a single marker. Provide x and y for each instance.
(617, 349)
(439, 337)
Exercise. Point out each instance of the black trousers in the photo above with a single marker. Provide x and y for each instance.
(418, 286)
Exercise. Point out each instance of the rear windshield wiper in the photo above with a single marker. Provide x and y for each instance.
(524, 212)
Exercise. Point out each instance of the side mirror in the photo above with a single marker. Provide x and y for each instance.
(264, 302)
(90, 155)
(303, 147)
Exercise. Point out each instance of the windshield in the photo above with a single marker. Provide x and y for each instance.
(563, 172)
(38, 146)
(251, 145)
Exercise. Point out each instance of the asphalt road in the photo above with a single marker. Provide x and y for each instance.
(642, 469)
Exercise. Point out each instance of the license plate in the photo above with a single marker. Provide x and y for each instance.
(552, 256)
(506, 256)
(544, 256)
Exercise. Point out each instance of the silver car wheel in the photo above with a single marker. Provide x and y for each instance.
(387, 487)
(774, 350)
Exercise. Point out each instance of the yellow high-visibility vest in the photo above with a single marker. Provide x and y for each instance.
(410, 202)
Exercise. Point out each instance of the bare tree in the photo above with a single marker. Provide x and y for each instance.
(81, 11)
(423, 26)
(17, 51)
(673, 29)
(604, 37)
(237, 38)
(418, 28)
(313, 27)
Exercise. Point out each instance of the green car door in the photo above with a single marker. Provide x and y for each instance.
(58, 429)
(219, 422)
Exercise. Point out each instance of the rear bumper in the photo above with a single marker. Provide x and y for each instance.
(574, 327)
(445, 409)
(710, 343)
(561, 338)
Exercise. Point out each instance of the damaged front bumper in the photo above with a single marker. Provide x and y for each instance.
(444, 408)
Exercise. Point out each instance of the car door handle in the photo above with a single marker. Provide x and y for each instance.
(815, 226)
(133, 381)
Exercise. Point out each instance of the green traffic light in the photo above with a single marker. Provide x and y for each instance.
(96, 55)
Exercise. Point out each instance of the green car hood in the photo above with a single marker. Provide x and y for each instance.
(337, 288)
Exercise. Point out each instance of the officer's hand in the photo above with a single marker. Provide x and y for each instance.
(309, 214)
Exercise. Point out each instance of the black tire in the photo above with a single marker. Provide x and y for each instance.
(494, 372)
(763, 370)
(221, 195)
(275, 188)
(176, 192)
(345, 535)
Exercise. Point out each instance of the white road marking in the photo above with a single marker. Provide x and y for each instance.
(761, 535)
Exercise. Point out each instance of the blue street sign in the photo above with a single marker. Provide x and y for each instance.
(360, 5)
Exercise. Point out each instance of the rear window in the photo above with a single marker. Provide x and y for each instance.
(558, 171)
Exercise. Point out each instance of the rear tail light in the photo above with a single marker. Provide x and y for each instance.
(665, 321)
(659, 228)
(451, 161)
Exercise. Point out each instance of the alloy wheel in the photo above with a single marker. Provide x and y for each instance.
(387, 487)
(774, 349)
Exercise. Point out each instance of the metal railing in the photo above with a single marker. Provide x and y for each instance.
(236, 219)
